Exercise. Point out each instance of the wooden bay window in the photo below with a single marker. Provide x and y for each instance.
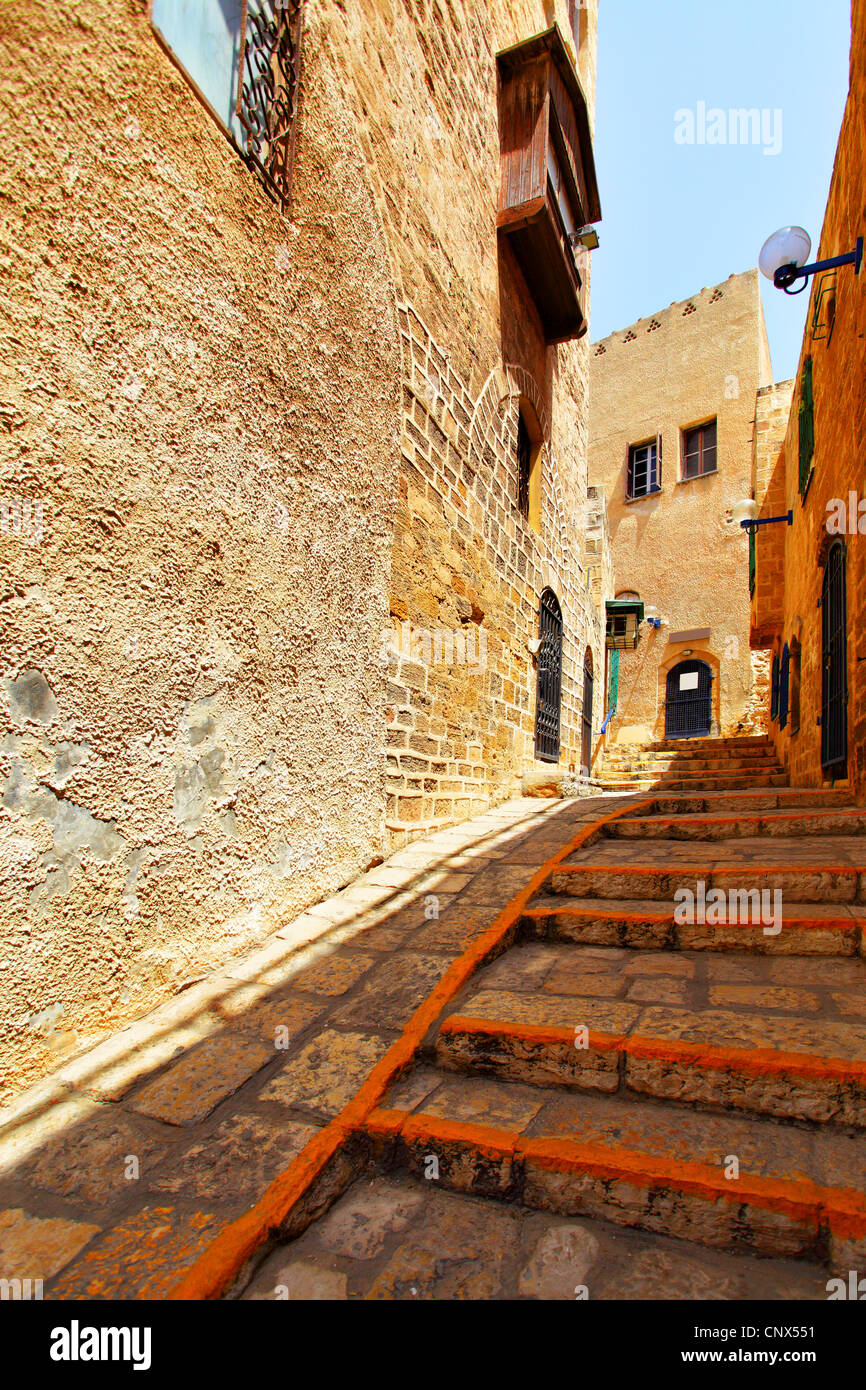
(548, 188)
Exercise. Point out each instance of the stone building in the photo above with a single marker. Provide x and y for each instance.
(672, 435)
(808, 578)
(294, 383)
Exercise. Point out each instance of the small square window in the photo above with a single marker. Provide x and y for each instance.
(644, 469)
(699, 450)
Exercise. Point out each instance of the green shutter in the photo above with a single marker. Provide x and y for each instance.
(807, 426)
(613, 680)
(752, 556)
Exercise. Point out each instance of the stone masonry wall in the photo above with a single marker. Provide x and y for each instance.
(839, 388)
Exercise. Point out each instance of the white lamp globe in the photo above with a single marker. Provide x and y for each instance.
(651, 612)
(788, 246)
(747, 510)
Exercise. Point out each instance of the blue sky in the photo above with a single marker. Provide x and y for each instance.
(679, 216)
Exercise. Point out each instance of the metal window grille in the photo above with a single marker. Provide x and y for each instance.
(268, 92)
(834, 663)
(774, 689)
(586, 713)
(549, 688)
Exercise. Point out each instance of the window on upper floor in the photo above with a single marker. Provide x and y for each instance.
(548, 190)
(242, 59)
(644, 468)
(699, 450)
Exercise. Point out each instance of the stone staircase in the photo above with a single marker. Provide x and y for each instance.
(709, 764)
(635, 1057)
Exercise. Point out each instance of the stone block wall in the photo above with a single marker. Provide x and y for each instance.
(839, 389)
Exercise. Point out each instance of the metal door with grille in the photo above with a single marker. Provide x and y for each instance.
(689, 700)
(834, 662)
(549, 688)
(586, 753)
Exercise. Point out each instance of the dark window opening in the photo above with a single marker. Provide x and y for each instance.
(774, 689)
(699, 450)
(834, 664)
(784, 676)
(524, 465)
(644, 469)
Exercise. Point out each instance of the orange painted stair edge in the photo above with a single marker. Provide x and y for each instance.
(708, 874)
(842, 1209)
(219, 1264)
(809, 923)
(775, 816)
(755, 1061)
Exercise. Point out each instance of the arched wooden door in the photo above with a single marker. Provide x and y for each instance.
(689, 700)
(834, 663)
(549, 688)
(586, 752)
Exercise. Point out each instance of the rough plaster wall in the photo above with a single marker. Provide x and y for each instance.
(190, 657)
(699, 358)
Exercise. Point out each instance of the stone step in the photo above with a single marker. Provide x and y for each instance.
(806, 929)
(730, 1182)
(778, 1036)
(770, 823)
(733, 742)
(781, 798)
(657, 767)
(734, 756)
(691, 772)
(807, 883)
(733, 781)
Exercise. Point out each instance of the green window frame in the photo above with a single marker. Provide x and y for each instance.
(807, 426)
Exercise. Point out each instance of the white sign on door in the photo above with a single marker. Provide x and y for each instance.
(689, 681)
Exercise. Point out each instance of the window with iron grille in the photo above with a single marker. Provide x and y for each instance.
(784, 671)
(774, 690)
(807, 426)
(699, 450)
(644, 469)
(524, 465)
(243, 60)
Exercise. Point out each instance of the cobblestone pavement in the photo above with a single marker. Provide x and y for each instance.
(391, 1238)
(498, 1066)
(118, 1171)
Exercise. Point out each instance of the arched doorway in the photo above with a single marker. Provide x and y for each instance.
(834, 663)
(688, 700)
(586, 752)
(549, 687)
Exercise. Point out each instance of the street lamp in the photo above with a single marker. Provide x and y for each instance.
(784, 255)
(745, 514)
(652, 615)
